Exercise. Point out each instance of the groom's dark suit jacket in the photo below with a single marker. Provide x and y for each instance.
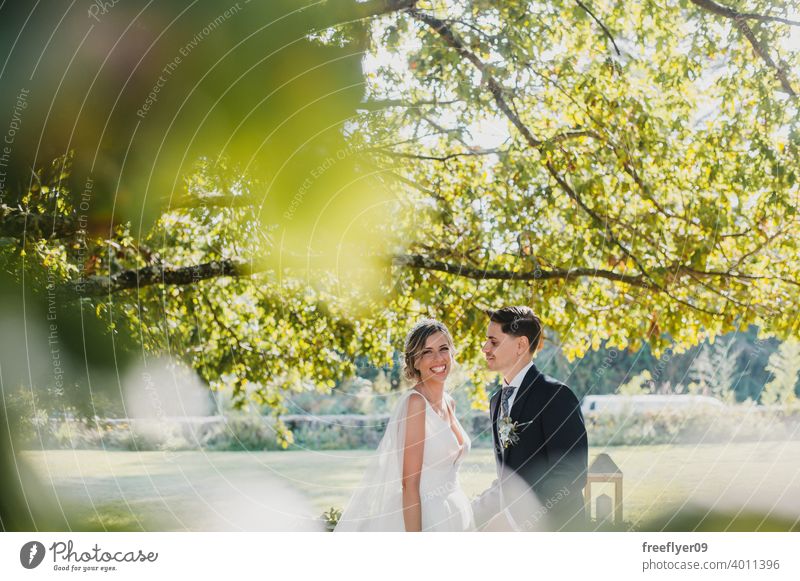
(551, 455)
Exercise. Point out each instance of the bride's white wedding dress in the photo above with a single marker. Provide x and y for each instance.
(377, 504)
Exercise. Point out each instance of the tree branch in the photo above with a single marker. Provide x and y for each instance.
(735, 275)
(18, 223)
(379, 7)
(574, 134)
(762, 51)
(716, 8)
(157, 274)
(478, 152)
(600, 24)
(219, 200)
(425, 263)
(99, 286)
(380, 104)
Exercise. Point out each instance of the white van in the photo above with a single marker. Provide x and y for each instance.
(616, 404)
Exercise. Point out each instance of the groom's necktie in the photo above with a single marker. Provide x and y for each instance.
(505, 395)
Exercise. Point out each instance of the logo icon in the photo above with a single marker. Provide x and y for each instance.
(31, 554)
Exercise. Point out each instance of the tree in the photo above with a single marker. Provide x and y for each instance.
(784, 365)
(638, 385)
(169, 140)
(627, 170)
(713, 370)
(629, 191)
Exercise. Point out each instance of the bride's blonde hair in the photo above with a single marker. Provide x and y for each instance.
(415, 343)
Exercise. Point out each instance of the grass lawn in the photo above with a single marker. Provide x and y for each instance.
(270, 490)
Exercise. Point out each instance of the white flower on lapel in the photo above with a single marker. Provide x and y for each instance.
(508, 431)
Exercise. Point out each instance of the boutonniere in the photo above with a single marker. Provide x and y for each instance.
(508, 431)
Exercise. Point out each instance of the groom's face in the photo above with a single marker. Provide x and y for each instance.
(502, 351)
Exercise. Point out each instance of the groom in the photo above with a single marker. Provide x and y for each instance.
(538, 433)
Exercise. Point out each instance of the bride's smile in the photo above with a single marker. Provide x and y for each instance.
(435, 359)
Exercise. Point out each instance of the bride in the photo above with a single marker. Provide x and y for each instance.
(412, 483)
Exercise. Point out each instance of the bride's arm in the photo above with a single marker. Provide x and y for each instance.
(412, 462)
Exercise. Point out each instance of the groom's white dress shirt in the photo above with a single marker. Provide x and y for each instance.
(516, 382)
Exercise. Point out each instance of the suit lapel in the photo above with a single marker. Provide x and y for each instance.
(523, 392)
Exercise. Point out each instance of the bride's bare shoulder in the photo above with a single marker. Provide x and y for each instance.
(415, 418)
(416, 401)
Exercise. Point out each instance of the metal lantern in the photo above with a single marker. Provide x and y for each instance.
(603, 469)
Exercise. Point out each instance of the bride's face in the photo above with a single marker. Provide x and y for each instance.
(436, 358)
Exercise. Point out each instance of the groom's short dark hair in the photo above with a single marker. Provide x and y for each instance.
(519, 322)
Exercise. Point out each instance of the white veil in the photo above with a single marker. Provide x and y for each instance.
(377, 503)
